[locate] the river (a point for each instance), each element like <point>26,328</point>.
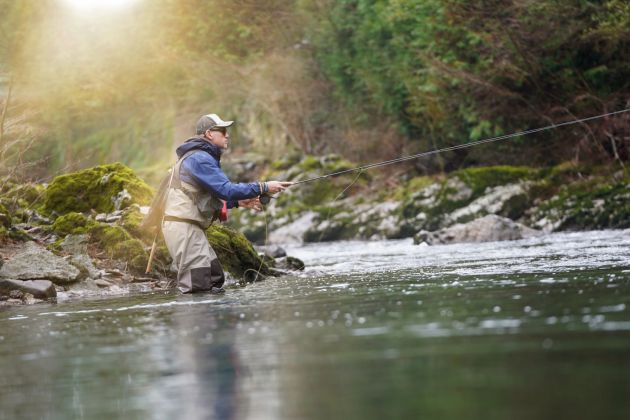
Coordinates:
<point>531,329</point>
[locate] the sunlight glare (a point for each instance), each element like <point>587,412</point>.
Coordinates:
<point>98,5</point>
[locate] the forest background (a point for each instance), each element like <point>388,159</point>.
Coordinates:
<point>367,79</point>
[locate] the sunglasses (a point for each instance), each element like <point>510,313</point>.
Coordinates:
<point>221,130</point>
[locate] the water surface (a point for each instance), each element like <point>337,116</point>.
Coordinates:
<point>533,329</point>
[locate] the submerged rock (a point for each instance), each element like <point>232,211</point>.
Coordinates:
<point>486,229</point>
<point>35,263</point>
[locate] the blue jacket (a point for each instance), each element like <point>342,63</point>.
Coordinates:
<point>203,169</point>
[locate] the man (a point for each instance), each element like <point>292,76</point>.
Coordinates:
<point>199,192</point>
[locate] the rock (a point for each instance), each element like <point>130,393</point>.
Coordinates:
<point>16,294</point>
<point>274,251</point>
<point>492,202</point>
<point>290,263</point>
<point>102,283</point>
<point>85,265</point>
<point>486,229</point>
<point>75,244</point>
<point>37,263</point>
<point>15,289</point>
<point>293,232</point>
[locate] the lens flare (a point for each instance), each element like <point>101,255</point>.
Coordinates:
<point>98,5</point>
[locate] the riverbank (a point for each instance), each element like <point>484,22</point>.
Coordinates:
<point>80,235</point>
<point>469,205</point>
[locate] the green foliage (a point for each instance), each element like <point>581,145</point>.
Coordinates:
<point>450,71</point>
<point>95,189</point>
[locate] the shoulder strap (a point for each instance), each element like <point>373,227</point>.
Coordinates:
<point>175,180</point>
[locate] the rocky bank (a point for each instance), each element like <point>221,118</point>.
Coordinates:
<point>80,235</point>
<point>474,204</point>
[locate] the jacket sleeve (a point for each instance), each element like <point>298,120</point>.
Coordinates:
<point>207,174</point>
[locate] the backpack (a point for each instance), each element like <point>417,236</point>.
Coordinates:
<point>153,219</point>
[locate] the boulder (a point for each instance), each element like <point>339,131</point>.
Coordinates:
<point>41,289</point>
<point>85,265</point>
<point>37,263</point>
<point>75,244</point>
<point>293,232</point>
<point>486,229</point>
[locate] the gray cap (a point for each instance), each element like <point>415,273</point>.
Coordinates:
<point>210,121</point>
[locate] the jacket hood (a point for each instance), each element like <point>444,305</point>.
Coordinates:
<point>200,144</point>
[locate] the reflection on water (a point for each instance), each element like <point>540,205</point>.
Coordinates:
<point>529,329</point>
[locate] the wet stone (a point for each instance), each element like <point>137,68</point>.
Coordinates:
<point>37,263</point>
<point>16,289</point>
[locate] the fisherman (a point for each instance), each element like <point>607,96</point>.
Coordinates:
<point>198,194</point>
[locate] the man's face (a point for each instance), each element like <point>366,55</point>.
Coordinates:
<point>219,137</point>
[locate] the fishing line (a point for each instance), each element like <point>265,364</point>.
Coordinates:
<point>461,146</point>
<point>321,235</point>
<point>262,259</point>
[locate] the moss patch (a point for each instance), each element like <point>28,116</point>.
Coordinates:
<point>235,252</point>
<point>478,179</point>
<point>96,189</point>
<point>72,223</point>
<point>592,203</point>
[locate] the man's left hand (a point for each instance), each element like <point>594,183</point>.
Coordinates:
<point>252,203</point>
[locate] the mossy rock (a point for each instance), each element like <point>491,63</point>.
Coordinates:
<point>5,217</point>
<point>96,189</point>
<point>592,203</point>
<point>131,220</point>
<point>478,179</point>
<point>235,252</point>
<point>108,236</point>
<point>133,252</point>
<point>73,223</point>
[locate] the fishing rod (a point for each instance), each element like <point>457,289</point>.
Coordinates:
<point>461,146</point>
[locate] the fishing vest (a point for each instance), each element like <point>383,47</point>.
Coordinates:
<point>188,202</point>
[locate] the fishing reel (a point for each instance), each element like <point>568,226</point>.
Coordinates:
<point>265,198</point>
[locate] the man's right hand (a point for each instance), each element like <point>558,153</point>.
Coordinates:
<point>277,186</point>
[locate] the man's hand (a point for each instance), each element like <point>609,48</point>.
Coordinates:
<point>252,203</point>
<point>277,186</point>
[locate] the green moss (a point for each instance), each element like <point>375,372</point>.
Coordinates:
<point>404,191</point>
<point>4,235</point>
<point>310,163</point>
<point>592,203</point>
<point>235,252</point>
<point>72,223</point>
<point>287,162</point>
<point>478,179</point>
<point>108,236</point>
<point>95,189</point>
<point>131,220</point>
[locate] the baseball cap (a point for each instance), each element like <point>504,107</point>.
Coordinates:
<point>208,122</point>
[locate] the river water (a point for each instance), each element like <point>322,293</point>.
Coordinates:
<point>532,329</point>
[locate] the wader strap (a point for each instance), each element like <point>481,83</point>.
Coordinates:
<point>179,219</point>
<point>177,183</point>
